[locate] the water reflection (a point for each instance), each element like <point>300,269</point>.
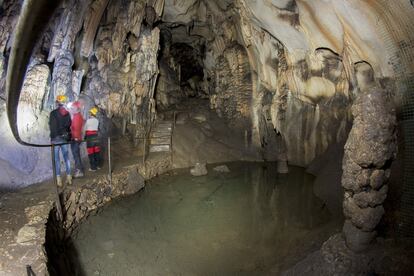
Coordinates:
<point>249,221</point>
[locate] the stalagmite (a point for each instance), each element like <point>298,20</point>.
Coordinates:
<point>370,149</point>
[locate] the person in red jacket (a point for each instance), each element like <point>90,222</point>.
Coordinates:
<point>76,130</point>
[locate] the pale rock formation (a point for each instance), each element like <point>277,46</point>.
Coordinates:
<point>199,169</point>
<point>62,77</point>
<point>222,168</point>
<point>370,149</point>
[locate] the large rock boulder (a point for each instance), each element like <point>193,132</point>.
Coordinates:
<point>199,169</point>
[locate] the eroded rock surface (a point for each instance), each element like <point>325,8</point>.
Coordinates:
<point>370,149</point>
<point>267,67</point>
<point>199,169</point>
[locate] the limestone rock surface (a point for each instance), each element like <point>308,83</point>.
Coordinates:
<point>365,219</point>
<point>222,168</point>
<point>199,169</point>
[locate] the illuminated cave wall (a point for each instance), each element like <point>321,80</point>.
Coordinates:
<point>280,66</point>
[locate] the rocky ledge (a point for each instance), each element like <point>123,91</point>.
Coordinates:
<point>25,214</point>
<point>335,258</point>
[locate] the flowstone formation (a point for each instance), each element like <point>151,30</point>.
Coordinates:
<point>369,152</point>
<point>100,52</point>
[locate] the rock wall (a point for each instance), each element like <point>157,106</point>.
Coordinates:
<point>281,70</point>
<point>103,53</point>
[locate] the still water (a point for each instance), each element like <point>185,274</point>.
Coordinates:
<point>250,221</point>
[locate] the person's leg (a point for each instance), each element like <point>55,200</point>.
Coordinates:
<point>65,152</point>
<point>75,148</point>
<point>57,165</point>
<point>92,163</point>
<point>98,156</point>
<point>57,160</point>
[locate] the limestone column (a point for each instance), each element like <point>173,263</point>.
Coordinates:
<point>369,151</point>
<point>62,76</point>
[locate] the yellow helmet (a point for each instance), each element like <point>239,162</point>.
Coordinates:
<point>93,111</point>
<point>61,99</point>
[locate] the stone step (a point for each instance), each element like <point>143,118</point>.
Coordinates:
<point>159,148</point>
<point>162,129</point>
<point>161,141</point>
<point>166,132</point>
<point>160,135</point>
<point>164,124</point>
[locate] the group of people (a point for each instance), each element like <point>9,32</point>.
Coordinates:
<point>68,127</point>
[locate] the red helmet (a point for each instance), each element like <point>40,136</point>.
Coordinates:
<point>76,104</point>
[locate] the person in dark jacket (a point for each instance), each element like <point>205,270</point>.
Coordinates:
<point>76,131</point>
<point>59,124</point>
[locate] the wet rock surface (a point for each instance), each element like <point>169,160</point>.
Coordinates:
<point>211,141</point>
<point>335,258</point>
<point>199,169</point>
<point>222,168</point>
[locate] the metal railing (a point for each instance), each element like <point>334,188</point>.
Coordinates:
<point>53,156</point>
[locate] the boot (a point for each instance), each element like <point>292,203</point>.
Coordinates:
<point>59,181</point>
<point>69,180</point>
<point>78,174</point>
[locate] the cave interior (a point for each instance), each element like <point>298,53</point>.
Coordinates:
<point>199,85</point>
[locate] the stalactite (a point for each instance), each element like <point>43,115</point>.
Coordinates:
<point>69,26</point>
<point>92,19</point>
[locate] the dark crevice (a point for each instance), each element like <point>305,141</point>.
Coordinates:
<point>65,260</point>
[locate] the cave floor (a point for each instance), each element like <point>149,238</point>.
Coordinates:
<point>23,216</point>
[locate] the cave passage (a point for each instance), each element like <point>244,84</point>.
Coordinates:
<point>181,64</point>
<point>247,221</point>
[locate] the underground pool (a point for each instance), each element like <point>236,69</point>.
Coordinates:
<point>249,221</point>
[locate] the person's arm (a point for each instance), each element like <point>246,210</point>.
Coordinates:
<point>68,122</point>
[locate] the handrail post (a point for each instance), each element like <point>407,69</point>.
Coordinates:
<point>57,203</point>
<point>144,153</point>
<point>109,162</point>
